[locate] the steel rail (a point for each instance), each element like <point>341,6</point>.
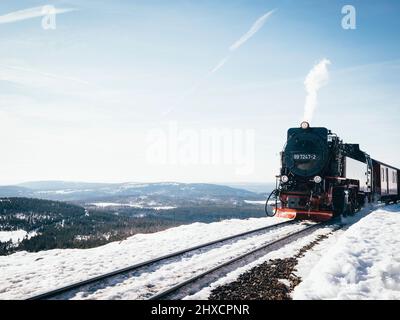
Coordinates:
<point>289,237</point>
<point>77,285</point>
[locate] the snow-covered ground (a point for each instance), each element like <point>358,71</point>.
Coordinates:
<point>15,236</point>
<point>360,261</point>
<point>154,280</point>
<point>285,252</point>
<point>133,205</point>
<point>25,274</point>
<point>262,202</point>
<point>363,263</point>
<point>349,264</point>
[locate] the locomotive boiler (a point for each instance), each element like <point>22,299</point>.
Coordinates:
<point>322,177</point>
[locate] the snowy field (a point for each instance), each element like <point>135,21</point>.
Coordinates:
<point>132,205</point>
<point>15,236</point>
<point>360,261</point>
<point>364,262</point>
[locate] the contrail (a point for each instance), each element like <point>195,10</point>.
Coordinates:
<point>241,41</point>
<point>31,13</point>
<point>315,80</point>
<point>252,31</point>
<point>220,64</point>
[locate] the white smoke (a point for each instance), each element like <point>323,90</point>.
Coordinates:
<point>315,80</point>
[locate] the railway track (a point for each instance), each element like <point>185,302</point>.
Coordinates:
<point>76,286</point>
<point>218,271</point>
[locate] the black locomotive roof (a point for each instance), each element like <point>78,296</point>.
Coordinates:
<point>320,131</point>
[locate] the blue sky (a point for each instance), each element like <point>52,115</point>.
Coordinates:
<point>78,102</point>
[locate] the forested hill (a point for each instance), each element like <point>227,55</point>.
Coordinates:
<point>14,205</point>
<point>52,224</point>
<point>28,214</point>
<point>44,222</point>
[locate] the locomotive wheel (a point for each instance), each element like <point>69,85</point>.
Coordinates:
<point>339,205</point>
<point>272,203</point>
<point>354,204</point>
<point>351,208</point>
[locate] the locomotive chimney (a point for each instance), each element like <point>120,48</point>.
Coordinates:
<point>305,125</point>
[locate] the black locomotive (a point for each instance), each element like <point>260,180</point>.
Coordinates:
<point>322,177</point>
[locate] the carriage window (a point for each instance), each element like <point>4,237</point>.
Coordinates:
<point>383,175</point>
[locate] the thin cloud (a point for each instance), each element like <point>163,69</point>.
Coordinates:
<point>45,74</point>
<point>31,77</point>
<point>32,13</point>
<point>252,31</point>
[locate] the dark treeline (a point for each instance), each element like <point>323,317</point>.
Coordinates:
<point>29,214</point>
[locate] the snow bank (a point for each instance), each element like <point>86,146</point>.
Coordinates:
<point>363,264</point>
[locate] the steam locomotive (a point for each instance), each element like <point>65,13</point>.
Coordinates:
<point>321,177</point>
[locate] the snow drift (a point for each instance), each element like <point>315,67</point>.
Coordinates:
<point>363,264</point>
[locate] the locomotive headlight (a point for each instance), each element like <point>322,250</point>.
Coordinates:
<point>317,179</point>
<point>285,179</point>
<point>305,125</point>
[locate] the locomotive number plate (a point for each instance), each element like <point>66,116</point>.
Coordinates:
<point>305,156</point>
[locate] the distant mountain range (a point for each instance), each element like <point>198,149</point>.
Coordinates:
<point>164,193</point>
<point>253,186</point>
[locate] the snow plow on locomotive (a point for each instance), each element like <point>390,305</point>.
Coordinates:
<point>321,177</point>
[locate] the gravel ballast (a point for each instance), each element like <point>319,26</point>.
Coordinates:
<point>271,280</point>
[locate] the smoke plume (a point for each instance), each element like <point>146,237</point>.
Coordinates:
<point>315,80</point>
